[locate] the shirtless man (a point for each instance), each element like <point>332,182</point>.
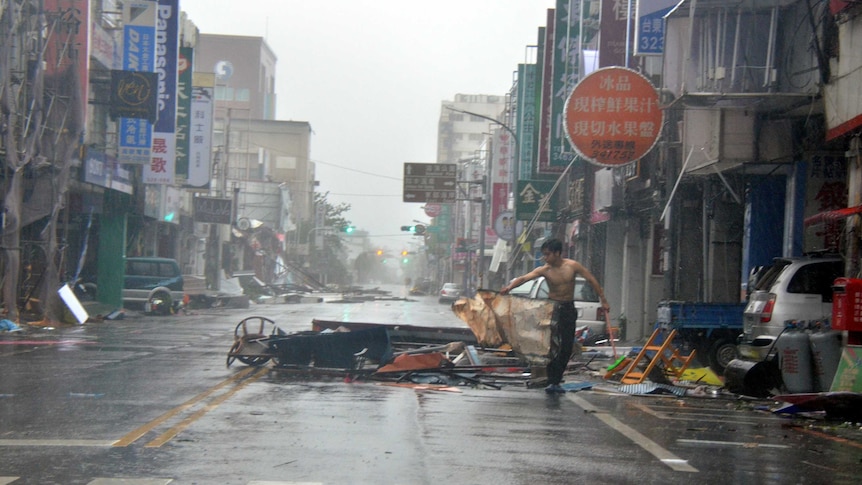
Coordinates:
<point>560,273</point>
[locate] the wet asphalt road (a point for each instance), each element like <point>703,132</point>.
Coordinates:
<point>151,399</point>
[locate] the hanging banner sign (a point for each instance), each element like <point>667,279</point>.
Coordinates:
<point>133,95</point>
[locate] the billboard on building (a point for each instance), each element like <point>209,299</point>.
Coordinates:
<point>162,166</point>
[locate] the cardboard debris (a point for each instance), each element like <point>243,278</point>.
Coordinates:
<point>523,323</point>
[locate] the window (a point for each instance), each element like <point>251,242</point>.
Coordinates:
<point>224,93</point>
<point>243,94</point>
<point>815,279</point>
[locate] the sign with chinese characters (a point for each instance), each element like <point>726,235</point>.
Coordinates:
<point>650,25</point>
<point>200,130</point>
<point>613,117</point>
<point>139,55</point>
<point>65,45</point>
<point>430,182</point>
<point>161,169</point>
<point>535,197</point>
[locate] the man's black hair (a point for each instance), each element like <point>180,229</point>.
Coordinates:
<point>553,245</point>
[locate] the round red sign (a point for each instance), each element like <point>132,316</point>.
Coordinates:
<point>432,210</point>
<point>612,117</point>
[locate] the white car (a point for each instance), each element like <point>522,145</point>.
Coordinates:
<point>450,292</point>
<point>587,302</point>
<point>797,290</point>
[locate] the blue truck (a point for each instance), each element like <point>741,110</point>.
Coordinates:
<point>712,329</point>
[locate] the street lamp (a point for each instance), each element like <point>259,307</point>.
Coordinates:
<point>515,169</point>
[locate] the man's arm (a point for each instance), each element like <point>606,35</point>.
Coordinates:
<point>520,280</point>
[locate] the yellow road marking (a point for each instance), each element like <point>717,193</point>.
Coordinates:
<point>136,434</point>
<point>169,434</point>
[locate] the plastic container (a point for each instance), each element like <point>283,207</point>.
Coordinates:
<point>794,360</point>
<point>756,379</point>
<point>826,354</point>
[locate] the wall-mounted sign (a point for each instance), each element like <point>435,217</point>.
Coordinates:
<point>535,197</point>
<point>212,210</point>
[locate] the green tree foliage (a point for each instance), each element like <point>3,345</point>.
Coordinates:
<point>331,259</point>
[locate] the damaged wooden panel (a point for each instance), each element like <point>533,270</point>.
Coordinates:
<point>523,323</point>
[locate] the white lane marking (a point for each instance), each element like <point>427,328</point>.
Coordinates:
<point>263,482</point>
<point>130,481</point>
<point>665,456</point>
<point>95,443</point>
<point>7,480</point>
<point>730,443</point>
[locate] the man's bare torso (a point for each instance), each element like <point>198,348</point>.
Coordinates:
<point>561,280</point>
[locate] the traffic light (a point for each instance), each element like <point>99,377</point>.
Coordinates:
<point>418,229</point>
<point>349,229</point>
<point>404,253</point>
<point>380,252</point>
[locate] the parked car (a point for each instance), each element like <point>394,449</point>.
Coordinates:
<point>795,290</point>
<point>450,292</point>
<point>590,312</point>
<point>155,283</point>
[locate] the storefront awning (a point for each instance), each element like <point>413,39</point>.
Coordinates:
<point>832,216</point>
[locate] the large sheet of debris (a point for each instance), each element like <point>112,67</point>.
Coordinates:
<point>496,319</point>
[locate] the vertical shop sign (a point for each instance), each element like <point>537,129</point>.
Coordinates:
<point>139,55</point>
<point>162,164</point>
<point>67,46</point>
<point>200,132</point>
<point>526,118</point>
<point>546,115</point>
<point>501,159</point>
<point>184,108</point>
<point>612,41</point>
<point>566,75</point>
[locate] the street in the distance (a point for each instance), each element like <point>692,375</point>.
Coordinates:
<point>150,398</point>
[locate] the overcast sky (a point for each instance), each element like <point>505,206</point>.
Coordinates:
<point>369,76</point>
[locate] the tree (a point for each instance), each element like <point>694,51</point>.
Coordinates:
<point>331,258</point>
<point>41,123</point>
